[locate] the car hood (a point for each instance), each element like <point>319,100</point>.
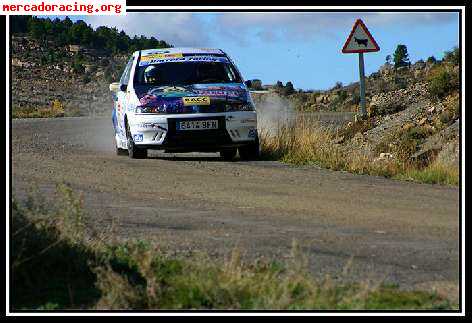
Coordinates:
<point>171,98</point>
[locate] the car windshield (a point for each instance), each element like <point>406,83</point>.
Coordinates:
<point>184,73</point>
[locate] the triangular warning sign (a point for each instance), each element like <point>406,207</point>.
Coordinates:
<point>360,40</point>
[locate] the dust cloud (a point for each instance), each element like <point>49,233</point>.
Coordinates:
<point>273,112</point>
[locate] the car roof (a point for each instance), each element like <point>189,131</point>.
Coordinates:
<point>183,50</point>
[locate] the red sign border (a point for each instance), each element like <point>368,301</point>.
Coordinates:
<point>363,26</point>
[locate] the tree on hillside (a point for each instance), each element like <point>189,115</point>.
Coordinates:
<point>431,60</point>
<point>36,29</point>
<point>337,85</point>
<point>400,57</point>
<point>256,84</point>
<point>64,32</point>
<point>288,89</point>
<point>19,24</point>
<point>453,56</point>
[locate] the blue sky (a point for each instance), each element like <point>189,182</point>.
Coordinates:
<point>301,47</point>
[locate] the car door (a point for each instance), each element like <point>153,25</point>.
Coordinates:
<point>122,97</point>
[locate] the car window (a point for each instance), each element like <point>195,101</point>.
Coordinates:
<point>126,74</point>
<point>183,73</point>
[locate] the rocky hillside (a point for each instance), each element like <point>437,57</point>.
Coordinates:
<point>71,78</point>
<point>413,114</point>
<point>409,126</point>
<point>385,80</point>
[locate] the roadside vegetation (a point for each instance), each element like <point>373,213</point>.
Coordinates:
<point>309,143</point>
<point>55,110</point>
<point>58,262</point>
<point>306,142</point>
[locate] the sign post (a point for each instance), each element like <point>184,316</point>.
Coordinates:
<point>360,41</point>
<point>362,85</point>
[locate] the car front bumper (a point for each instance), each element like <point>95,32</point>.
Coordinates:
<point>159,132</point>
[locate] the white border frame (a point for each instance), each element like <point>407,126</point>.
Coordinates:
<point>248,8</point>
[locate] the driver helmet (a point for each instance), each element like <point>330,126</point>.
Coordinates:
<point>150,74</point>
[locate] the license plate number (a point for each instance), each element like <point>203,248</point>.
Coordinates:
<point>197,125</point>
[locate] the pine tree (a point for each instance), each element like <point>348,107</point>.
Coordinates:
<point>400,57</point>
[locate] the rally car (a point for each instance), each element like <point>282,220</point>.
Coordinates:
<point>184,100</point>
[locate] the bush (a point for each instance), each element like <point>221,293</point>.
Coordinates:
<point>445,117</point>
<point>78,67</point>
<point>356,98</point>
<point>442,82</point>
<point>431,60</point>
<point>49,262</point>
<point>453,56</point>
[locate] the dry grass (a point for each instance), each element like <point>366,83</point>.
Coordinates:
<point>302,144</point>
<point>436,172</point>
<point>55,110</point>
<point>56,265</point>
<point>169,283</point>
<point>306,142</point>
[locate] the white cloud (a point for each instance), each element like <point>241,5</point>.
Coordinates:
<point>203,29</point>
<point>176,28</point>
<point>309,25</point>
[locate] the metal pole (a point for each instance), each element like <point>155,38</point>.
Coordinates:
<point>362,85</point>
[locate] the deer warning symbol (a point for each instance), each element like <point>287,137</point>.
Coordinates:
<point>360,40</point>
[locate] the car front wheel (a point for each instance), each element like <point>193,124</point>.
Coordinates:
<point>228,154</point>
<point>251,151</point>
<point>133,151</point>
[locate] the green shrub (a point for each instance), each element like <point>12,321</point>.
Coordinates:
<point>445,117</point>
<point>49,262</point>
<point>406,142</point>
<point>442,82</point>
<point>453,56</point>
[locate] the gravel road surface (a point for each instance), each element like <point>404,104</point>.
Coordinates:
<point>399,232</point>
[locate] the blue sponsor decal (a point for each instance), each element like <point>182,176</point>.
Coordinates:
<point>252,133</point>
<point>209,58</point>
<point>138,137</point>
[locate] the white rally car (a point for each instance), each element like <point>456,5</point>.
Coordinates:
<point>184,100</point>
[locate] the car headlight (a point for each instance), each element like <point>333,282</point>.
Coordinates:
<point>248,106</point>
<point>144,109</point>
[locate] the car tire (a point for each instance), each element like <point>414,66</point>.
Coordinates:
<point>133,151</point>
<point>228,154</point>
<point>251,151</point>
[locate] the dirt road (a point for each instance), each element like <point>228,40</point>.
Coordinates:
<point>402,232</point>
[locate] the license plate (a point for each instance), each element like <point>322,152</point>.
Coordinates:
<point>197,125</point>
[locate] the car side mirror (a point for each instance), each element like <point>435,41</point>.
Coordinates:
<point>248,83</point>
<point>114,87</point>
